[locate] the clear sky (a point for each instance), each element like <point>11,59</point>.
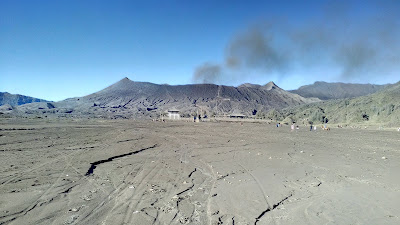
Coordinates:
<point>56,49</point>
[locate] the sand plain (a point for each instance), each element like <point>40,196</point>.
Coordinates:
<point>132,172</point>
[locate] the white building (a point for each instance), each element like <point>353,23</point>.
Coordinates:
<point>173,114</point>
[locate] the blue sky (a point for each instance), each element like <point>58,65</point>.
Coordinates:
<point>68,48</point>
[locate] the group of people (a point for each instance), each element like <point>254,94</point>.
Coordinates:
<point>293,127</point>
<point>313,127</point>
<point>197,119</point>
<point>324,127</point>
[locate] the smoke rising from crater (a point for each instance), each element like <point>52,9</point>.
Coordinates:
<point>207,73</point>
<point>356,48</point>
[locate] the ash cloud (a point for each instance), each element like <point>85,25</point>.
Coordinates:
<point>357,48</point>
<point>356,58</point>
<point>255,48</point>
<point>207,73</point>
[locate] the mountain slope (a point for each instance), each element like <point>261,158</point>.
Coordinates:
<point>382,107</point>
<point>127,98</point>
<point>325,91</point>
<point>14,100</point>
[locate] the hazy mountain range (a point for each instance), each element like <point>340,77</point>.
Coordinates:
<point>325,91</point>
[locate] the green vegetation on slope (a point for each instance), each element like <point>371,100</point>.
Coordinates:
<point>326,91</point>
<point>382,107</point>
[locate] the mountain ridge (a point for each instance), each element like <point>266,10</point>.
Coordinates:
<point>381,107</point>
<point>17,99</point>
<point>337,90</point>
<point>132,99</point>
<point>143,99</point>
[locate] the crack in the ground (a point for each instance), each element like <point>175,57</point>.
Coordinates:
<point>68,190</point>
<point>94,164</point>
<point>191,173</point>
<point>187,189</point>
<point>154,217</point>
<point>25,211</point>
<point>222,176</point>
<point>272,208</point>
<point>18,129</point>
<point>136,139</point>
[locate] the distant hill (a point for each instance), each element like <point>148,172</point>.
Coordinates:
<point>129,99</point>
<point>15,99</point>
<point>382,107</point>
<point>325,91</point>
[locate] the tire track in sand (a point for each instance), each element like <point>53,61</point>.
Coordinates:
<point>117,193</point>
<point>259,187</point>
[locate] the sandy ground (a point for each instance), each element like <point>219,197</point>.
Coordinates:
<point>129,172</point>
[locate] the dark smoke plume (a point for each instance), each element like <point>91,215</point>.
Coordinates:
<point>256,49</point>
<point>356,48</point>
<point>356,58</point>
<point>207,73</point>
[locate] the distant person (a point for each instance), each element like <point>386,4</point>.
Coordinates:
<point>310,127</point>
<point>315,127</point>
<point>292,127</point>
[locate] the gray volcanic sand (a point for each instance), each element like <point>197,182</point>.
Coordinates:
<point>195,173</point>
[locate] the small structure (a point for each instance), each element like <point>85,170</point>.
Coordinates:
<point>173,114</point>
<point>238,116</point>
